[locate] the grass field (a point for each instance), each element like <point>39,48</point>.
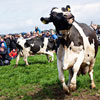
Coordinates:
<point>39,81</point>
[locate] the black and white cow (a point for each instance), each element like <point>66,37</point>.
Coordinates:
<point>77,49</point>
<point>32,46</point>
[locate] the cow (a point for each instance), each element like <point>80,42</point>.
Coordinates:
<point>77,47</point>
<point>37,45</point>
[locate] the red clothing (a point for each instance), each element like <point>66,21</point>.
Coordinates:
<point>13,54</point>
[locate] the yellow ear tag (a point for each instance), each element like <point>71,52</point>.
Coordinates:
<point>68,9</point>
<point>44,21</point>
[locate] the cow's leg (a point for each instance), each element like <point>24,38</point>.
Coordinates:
<point>76,69</point>
<point>61,75</point>
<point>17,59</point>
<point>60,57</point>
<point>91,75</point>
<point>92,80</point>
<point>25,59</point>
<point>52,57</point>
<point>50,54</point>
<point>70,76</point>
<point>48,57</point>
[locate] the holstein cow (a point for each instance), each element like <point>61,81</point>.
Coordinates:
<point>32,46</point>
<point>77,49</point>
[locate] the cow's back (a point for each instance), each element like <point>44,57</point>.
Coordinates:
<point>77,39</point>
<point>91,34</point>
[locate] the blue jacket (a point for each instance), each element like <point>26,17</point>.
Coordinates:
<point>54,36</point>
<point>4,44</point>
<point>38,30</point>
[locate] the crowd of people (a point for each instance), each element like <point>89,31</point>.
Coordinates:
<point>8,48</point>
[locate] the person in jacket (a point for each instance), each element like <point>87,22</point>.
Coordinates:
<point>53,35</point>
<point>3,42</point>
<point>13,43</point>
<point>13,53</point>
<point>37,29</point>
<point>7,40</point>
<point>4,56</point>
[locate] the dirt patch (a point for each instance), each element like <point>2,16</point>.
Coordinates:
<point>82,97</point>
<point>56,93</point>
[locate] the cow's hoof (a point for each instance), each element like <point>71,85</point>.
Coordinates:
<point>66,89</point>
<point>72,87</point>
<point>50,61</point>
<point>64,68</point>
<point>93,86</point>
<point>27,64</point>
<point>15,66</point>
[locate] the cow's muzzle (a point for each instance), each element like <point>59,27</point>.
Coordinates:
<point>45,20</point>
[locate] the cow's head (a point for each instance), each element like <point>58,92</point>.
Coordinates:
<point>60,18</point>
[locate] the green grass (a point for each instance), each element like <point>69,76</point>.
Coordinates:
<point>40,80</point>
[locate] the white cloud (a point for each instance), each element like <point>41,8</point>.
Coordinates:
<point>87,12</point>
<point>28,22</point>
<point>24,15</point>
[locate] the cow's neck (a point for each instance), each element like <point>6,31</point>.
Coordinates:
<point>65,40</point>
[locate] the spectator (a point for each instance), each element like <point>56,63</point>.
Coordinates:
<point>94,26</point>
<point>53,35</point>
<point>37,33</point>
<point>19,35</point>
<point>3,42</point>
<point>4,56</point>
<point>0,37</point>
<point>34,34</point>
<point>13,53</point>
<point>28,35</point>
<point>98,30</point>
<point>43,33</point>
<point>47,34</point>
<point>16,37</point>
<point>13,43</point>
<point>7,40</point>
<point>37,29</point>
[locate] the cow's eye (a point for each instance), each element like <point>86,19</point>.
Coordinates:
<point>65,15</point>
<point>53,14</point>
<point>60,14</point>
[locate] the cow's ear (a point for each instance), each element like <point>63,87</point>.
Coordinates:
<point>63,9</point>
<point>68,8</point>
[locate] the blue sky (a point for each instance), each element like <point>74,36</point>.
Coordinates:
<point>23,15</point>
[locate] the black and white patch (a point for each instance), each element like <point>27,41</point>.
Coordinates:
<point>32,46</point>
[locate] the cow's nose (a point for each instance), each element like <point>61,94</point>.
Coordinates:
<point>41,18</point>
